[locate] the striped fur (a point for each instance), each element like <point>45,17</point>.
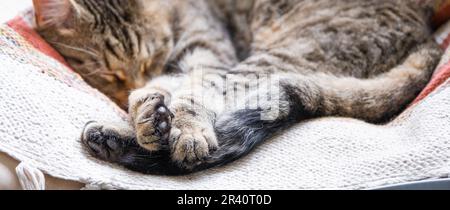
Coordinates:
<point>211,80</point>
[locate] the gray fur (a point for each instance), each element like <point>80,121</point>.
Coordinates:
<point>365,59</point>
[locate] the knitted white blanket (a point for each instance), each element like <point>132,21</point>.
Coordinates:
<point>43,107</point>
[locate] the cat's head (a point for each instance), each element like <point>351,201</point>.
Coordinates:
<point>122,42</point>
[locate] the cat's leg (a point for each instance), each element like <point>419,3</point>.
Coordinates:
<point>116,143</point>
<point>168,111</point>
<point>143,143</point>
<point>108,142</point>
<point>150,116</point>
<point>170,114</point>
<point>192,138</point>
<point>152,111</point>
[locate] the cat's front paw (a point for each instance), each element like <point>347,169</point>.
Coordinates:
<point>103,142</point>
<point>152,122</point>
<point>190,146</point>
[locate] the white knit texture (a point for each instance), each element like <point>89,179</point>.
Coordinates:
<point>41,119</point>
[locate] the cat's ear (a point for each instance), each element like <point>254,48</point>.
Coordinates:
<point>52,12</point>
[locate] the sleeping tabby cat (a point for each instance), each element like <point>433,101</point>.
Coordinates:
<point>211,80</point>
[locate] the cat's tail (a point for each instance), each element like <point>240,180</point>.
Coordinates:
<point>376,99</point>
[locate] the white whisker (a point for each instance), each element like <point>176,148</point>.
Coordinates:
<point>89,52</point>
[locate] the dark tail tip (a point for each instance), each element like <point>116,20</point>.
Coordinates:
<point>239,133</point>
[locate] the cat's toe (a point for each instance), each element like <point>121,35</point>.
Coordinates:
<point>153,123</point>
<point>102,142</point>
<point>191,147</point>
